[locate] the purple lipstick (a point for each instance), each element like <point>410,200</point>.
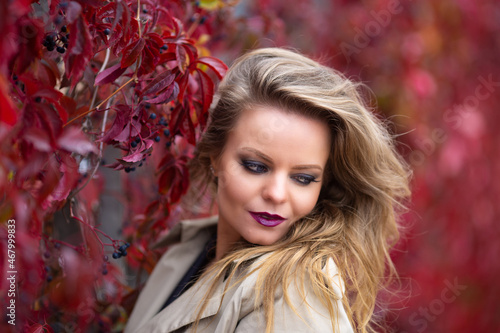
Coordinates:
<point>266,219</point>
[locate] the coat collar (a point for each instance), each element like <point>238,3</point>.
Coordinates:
<point>186,230</point>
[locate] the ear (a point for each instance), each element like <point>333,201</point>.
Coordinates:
<point>214,165</point>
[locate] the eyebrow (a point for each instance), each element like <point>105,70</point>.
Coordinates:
<point>270,160</point>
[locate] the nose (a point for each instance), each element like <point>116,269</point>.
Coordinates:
<point>275,189</point>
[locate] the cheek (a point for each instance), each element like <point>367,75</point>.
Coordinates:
<point>305,201</point>
<point>234,185</point>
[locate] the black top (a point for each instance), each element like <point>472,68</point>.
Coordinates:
<point>194,272</point>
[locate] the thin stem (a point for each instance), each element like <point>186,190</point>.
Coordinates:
<point>97,107</point>
<point>104,64</point>
<point>139,17</point>
<point>193,26</point>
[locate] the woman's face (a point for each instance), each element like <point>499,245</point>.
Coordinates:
<point>269,174</point>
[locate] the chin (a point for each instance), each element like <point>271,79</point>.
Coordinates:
<point>261,241</point>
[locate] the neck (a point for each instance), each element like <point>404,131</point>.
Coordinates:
<point>224,243</point>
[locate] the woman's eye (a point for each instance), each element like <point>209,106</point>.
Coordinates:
<point>255,167</point>
<point>305,179</point>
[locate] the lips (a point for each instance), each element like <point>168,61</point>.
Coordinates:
<point>266,219</point>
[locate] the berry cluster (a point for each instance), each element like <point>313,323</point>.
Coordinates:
<point>59,42</point>
<point>121,252</point>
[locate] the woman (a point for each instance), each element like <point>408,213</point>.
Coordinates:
<point>308,187</point>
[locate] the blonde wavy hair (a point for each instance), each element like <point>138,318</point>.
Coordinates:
<point>355,220</point>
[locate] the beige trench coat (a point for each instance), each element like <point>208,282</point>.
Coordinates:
<point>237,312</point>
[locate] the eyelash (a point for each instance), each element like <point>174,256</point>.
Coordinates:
<point>251,166</point>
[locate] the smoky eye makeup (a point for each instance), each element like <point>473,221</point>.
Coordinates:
<point>305,179</point>
<point>254,166</point>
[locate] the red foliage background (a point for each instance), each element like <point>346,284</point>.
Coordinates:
<point>89,86</point>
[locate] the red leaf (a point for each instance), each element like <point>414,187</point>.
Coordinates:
<point>8,114</point>
<point>183,81</point>
<point>38,328</point>
<point>79,50</point>
<point>207,90</point>
<point>132,52</point>
<point>109,75</point>
<point>73,140</point>
<point>174,180</point>
<point>135,157</point>
<point>29,42</point>
<point>122,118</point>
<point>154,37</point>
<point>69,104</point>
<point>166,96</point>
<point>187,129</point>
<point>69,170</point>
<point>217,66</point>
<point>73,10</point>
<point>159,83</point>
<point>150,58</point>
<point>39,139</point>
<point>180,52</point>
<point>49,93</point>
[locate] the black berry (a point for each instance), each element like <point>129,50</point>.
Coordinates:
<point>166,132</point>
<point>61,49</point>
<point>147,106</point>
<point>164,47</point>
<point>50,48</point>
<point>168,144</point>
<point>157,139</point>
<point>63,39</point>
<point>122,248</point>
<point>49,278</point>
<point>138,139</point>
<point>116,255</point>
<point>152,116</point>
<point>38,99</point>
<point>107,31</point>
<point>124,253</point>
<point>145,11</point>
<point>133,144</point>
<point>64,28</point>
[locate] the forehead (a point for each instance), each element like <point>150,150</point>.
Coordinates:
<point>274,130</point>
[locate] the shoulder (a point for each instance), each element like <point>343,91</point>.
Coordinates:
<point>297,309</point>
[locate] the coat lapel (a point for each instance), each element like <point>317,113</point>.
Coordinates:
<point>189,237</point>
<point>183,311</point>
